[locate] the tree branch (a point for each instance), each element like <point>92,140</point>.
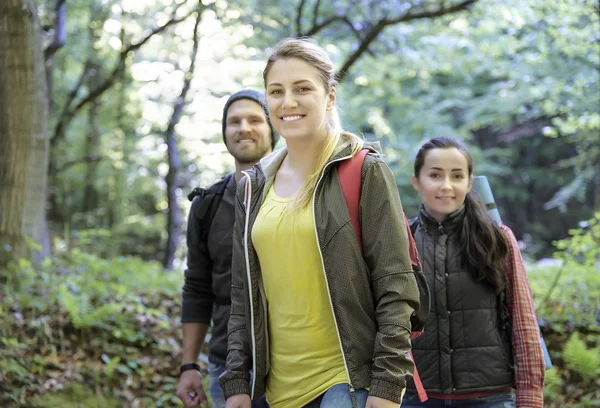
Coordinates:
<point>87,159</point>
<point>299,18</point>
<point>529,128</point>
<point>316,28</point>
<point>68,113</point>
<point>180,104</point>
<point>432,14</point>
<point>60,30</point>
<point>364,46</point>
<point>158,30</point>
<point>316,13</point>
<point>64,115</point>
<point>383,23</point>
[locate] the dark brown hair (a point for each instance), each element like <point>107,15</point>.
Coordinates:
<point>482,245</point>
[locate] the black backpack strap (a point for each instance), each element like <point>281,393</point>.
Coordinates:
<point>413,223</point>
<point>211,198</point>
<point>198,191</point>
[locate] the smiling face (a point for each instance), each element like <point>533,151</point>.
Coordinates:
<point>297,99</point>
<point>247,132</point>
<point>443,181</point>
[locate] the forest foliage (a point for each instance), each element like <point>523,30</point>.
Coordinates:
<point>136,91</point>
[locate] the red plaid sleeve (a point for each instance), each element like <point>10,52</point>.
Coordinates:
<point>527,349</point>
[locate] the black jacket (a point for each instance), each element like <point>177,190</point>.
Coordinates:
<point>207,289</point>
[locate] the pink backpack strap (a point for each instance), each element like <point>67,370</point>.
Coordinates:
<point>417,380</point>
<point>349,173</point>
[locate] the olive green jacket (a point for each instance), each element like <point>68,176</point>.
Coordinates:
<point>372,295</point>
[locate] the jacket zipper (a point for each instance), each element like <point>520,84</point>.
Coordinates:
<point>263,299</point>
<point>247,201</point>
<point>352,390</point>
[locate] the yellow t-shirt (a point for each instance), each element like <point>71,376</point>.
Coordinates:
<point>306,358</point>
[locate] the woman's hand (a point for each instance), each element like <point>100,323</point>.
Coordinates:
<point>239,401</point>
<point>376,402</point>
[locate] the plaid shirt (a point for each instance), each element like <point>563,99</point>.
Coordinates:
<point>525,331</point>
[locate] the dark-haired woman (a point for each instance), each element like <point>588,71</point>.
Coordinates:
<point>481,343</point>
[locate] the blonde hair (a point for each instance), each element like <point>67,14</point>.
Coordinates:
<point>310,52</point>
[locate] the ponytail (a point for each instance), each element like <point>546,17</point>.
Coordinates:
<point>482,244</point>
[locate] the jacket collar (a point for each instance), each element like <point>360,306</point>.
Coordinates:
<point>449,225</point>
<point>268,166</point>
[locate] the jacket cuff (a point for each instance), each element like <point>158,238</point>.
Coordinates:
<point>387,390</point>
<point>530,397</point>
<point>235,386</point>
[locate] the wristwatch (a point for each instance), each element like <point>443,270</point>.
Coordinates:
<point>188,367</point>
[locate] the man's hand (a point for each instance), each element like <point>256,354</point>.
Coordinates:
<point>190,390</point>
<point>238,401</point>
<point>376,402</point>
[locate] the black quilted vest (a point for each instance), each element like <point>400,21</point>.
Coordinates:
<point>465,347</point>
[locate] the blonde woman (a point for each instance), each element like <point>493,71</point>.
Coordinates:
<point>320,323</point>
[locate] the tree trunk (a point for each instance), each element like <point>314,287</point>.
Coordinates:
<point>90,199</point>
<point>116,200</point>
<point>92,141</point>
<point>174,220</point>
<point>23,125</point>
<point>596,189</point>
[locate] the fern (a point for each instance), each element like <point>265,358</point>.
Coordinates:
<point>553,384</point>
<point>580,359</point>
<point>76,306</point>
<point>103,313</point>
<point>83,313</point>
<point>552,380</point>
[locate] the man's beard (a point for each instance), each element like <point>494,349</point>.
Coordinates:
<point>251,157</point>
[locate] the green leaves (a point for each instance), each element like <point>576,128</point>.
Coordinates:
<point>568,309</point>
<point>581,359</point>
<point>80,316</point>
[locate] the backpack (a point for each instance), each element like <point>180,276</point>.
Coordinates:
<point>211,198</point>
<point>349,173</point>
